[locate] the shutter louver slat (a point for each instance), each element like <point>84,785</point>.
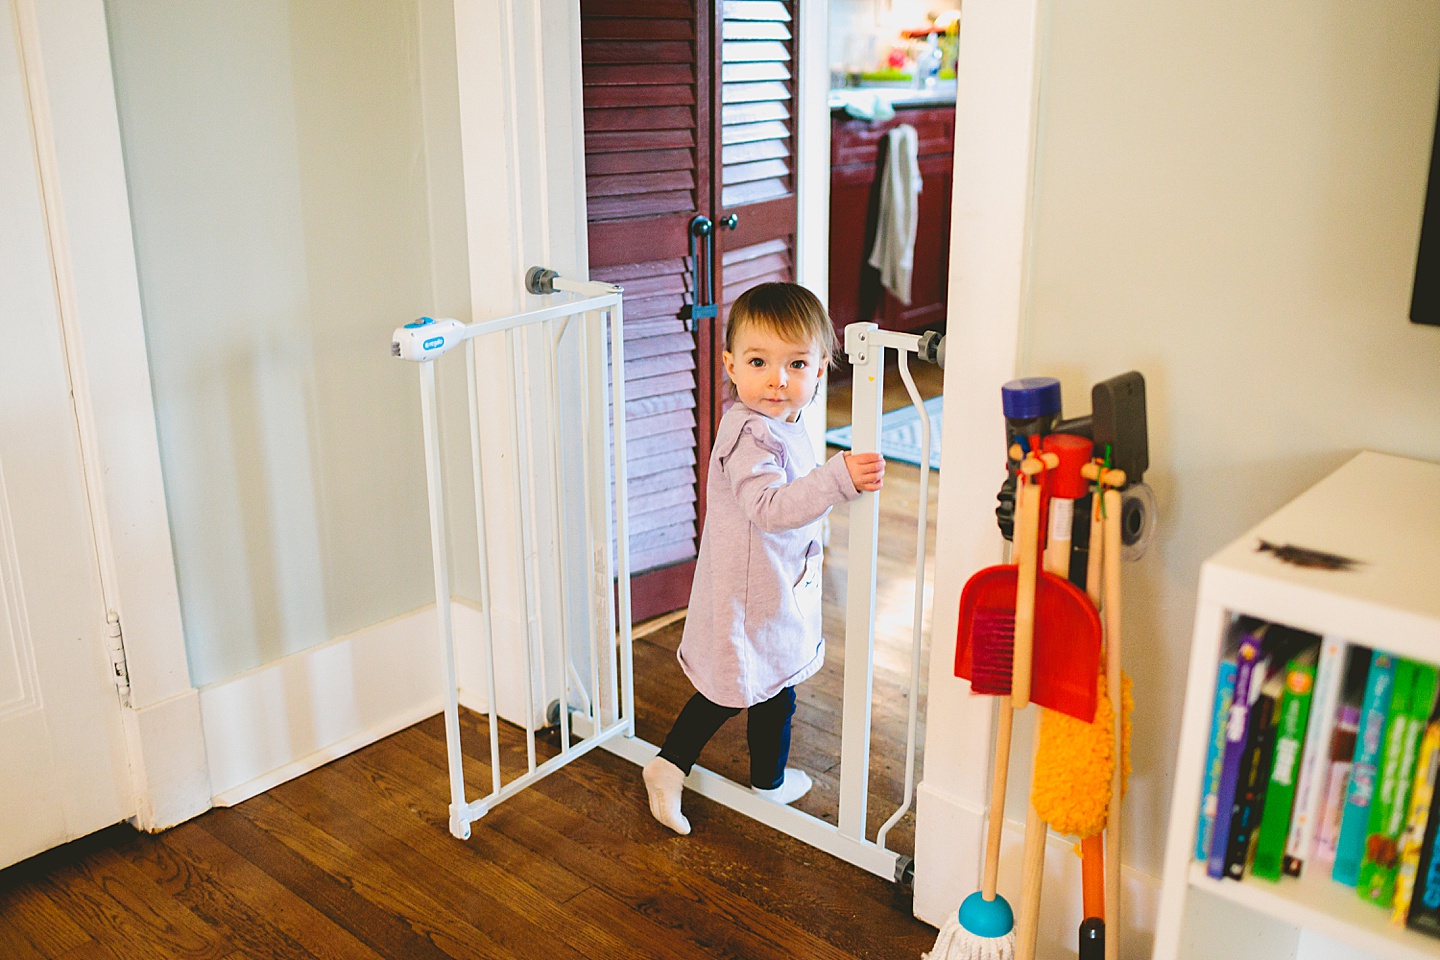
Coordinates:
<point>661,423</point>
<point>741,72</point>
<point>754,92</point>
<point>600,75</point>
<point>752,51</point>
<point>759,170</point>
<point>636,28</point>
<point>754,192</point>
<point>751,132</point>
<point>632,183</point>
<point>660,518</point>
<point>756,10</point>
<point>642,118</point>
<point>759,150</point>
<point>638,161</point>
<point>756,30</point>
<point>669,95</point>
<point>755,113</point>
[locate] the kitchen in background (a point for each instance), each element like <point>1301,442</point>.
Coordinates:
<point>892,64</point>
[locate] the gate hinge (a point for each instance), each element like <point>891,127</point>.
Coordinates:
<point>115,646</point>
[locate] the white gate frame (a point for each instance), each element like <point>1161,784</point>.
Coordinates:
<point>608,700</point>
<point>605,717</point>
<point>865,345</point>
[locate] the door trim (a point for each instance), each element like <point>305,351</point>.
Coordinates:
<point>65,44</point>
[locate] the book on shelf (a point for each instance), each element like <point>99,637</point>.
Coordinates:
<point>1315,754</point>
<point>1254,775</point>
<point>1294,716</point>
<point>1410,706</point>
<point>1424,914</point>
<point>1427,765</point>
<point>1337,784</point>
<point>1214,756</point>
<point>1369,743</point>
<point>1248,658</point>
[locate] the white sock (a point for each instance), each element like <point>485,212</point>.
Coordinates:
<point>795,785</point>
<point>664,782</point>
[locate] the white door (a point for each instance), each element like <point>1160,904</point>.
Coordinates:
<point>62,749</point>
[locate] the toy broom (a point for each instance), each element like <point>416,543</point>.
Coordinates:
<point>984,926</point>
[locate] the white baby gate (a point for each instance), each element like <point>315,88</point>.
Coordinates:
<point>599,691</point>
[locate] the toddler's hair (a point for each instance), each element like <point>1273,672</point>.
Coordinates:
<point>787,310</point>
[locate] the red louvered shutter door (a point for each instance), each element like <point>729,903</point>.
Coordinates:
<point>754,146</point>
<point>647,99</point>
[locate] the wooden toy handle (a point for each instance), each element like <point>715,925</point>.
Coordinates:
<point>1032,872</point>
<point>997,800</point>
<point>1112,679</point>
<point>1026,532</point>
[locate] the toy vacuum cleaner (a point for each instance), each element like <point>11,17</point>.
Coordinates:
<point>1032,632</point>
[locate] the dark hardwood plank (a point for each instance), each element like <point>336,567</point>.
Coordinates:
<point>105,894</point>
<point>387,934</point>
<point>258,912</point>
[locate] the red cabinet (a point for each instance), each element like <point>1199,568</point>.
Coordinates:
<point>856,160</point>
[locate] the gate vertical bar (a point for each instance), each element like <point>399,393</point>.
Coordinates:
<point>622,515</point>
<point>557,515</point>
<point>483,561</point>
<point>435,487</point>
<point>867,388</point>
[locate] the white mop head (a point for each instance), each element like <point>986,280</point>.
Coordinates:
<point>957,943</point>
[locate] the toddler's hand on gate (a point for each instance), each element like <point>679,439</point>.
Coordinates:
<point>867,470</point>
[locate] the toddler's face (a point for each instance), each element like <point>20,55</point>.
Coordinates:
<point>773,376</point>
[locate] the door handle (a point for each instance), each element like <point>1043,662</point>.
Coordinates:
<point>702,261</point>
<point>730,222</point>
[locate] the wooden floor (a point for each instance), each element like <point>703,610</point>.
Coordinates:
<point>354,860</point>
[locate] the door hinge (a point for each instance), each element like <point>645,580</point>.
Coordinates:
<point>115,646</point>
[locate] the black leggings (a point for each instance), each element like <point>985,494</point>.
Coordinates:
<point>767,728</point>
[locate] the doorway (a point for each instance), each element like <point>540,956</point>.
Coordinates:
<point>695,113</point>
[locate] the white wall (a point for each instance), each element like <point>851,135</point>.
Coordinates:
<point>1227,199</point>
<point>276,161</point>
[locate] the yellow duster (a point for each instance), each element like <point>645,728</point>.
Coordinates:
<point>1074,761</point>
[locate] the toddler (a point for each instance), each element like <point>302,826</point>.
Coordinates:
<point>753,628</point>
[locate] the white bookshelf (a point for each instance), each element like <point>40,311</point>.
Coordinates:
<point>1385,512</point>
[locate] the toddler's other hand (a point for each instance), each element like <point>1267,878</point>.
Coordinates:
<point>867,470</point>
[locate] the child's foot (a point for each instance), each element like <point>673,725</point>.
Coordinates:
<point>795,785</point>
<point>664,782</point>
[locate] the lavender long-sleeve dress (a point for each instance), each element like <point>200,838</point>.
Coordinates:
<point>754,622</point>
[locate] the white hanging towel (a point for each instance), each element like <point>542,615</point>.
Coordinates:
<point>894,251</point>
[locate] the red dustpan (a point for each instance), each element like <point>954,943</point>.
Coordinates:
<point>1066,657</point>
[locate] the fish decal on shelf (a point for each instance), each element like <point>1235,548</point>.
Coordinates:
<point>1307,557</point>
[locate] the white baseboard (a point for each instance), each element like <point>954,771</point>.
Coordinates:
<point>949,848</point>
<point>167,761</point>
<point>291,716</point>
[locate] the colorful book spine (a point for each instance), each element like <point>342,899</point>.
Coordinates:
<point>1421,795</point>
<point>1214,757</point>
<point>1424,914</point>
<point>1254,775</point>
<point>1355,822</point>
<point>1315,757</point>
<point>1410,707</point>
<point>1337,784</point>
<point>1247,658</point>
<point>1280,794</point>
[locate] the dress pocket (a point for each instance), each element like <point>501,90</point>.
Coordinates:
<point>808,588</point>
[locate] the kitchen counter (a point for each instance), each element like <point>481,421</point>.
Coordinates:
<point>864,101</point>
